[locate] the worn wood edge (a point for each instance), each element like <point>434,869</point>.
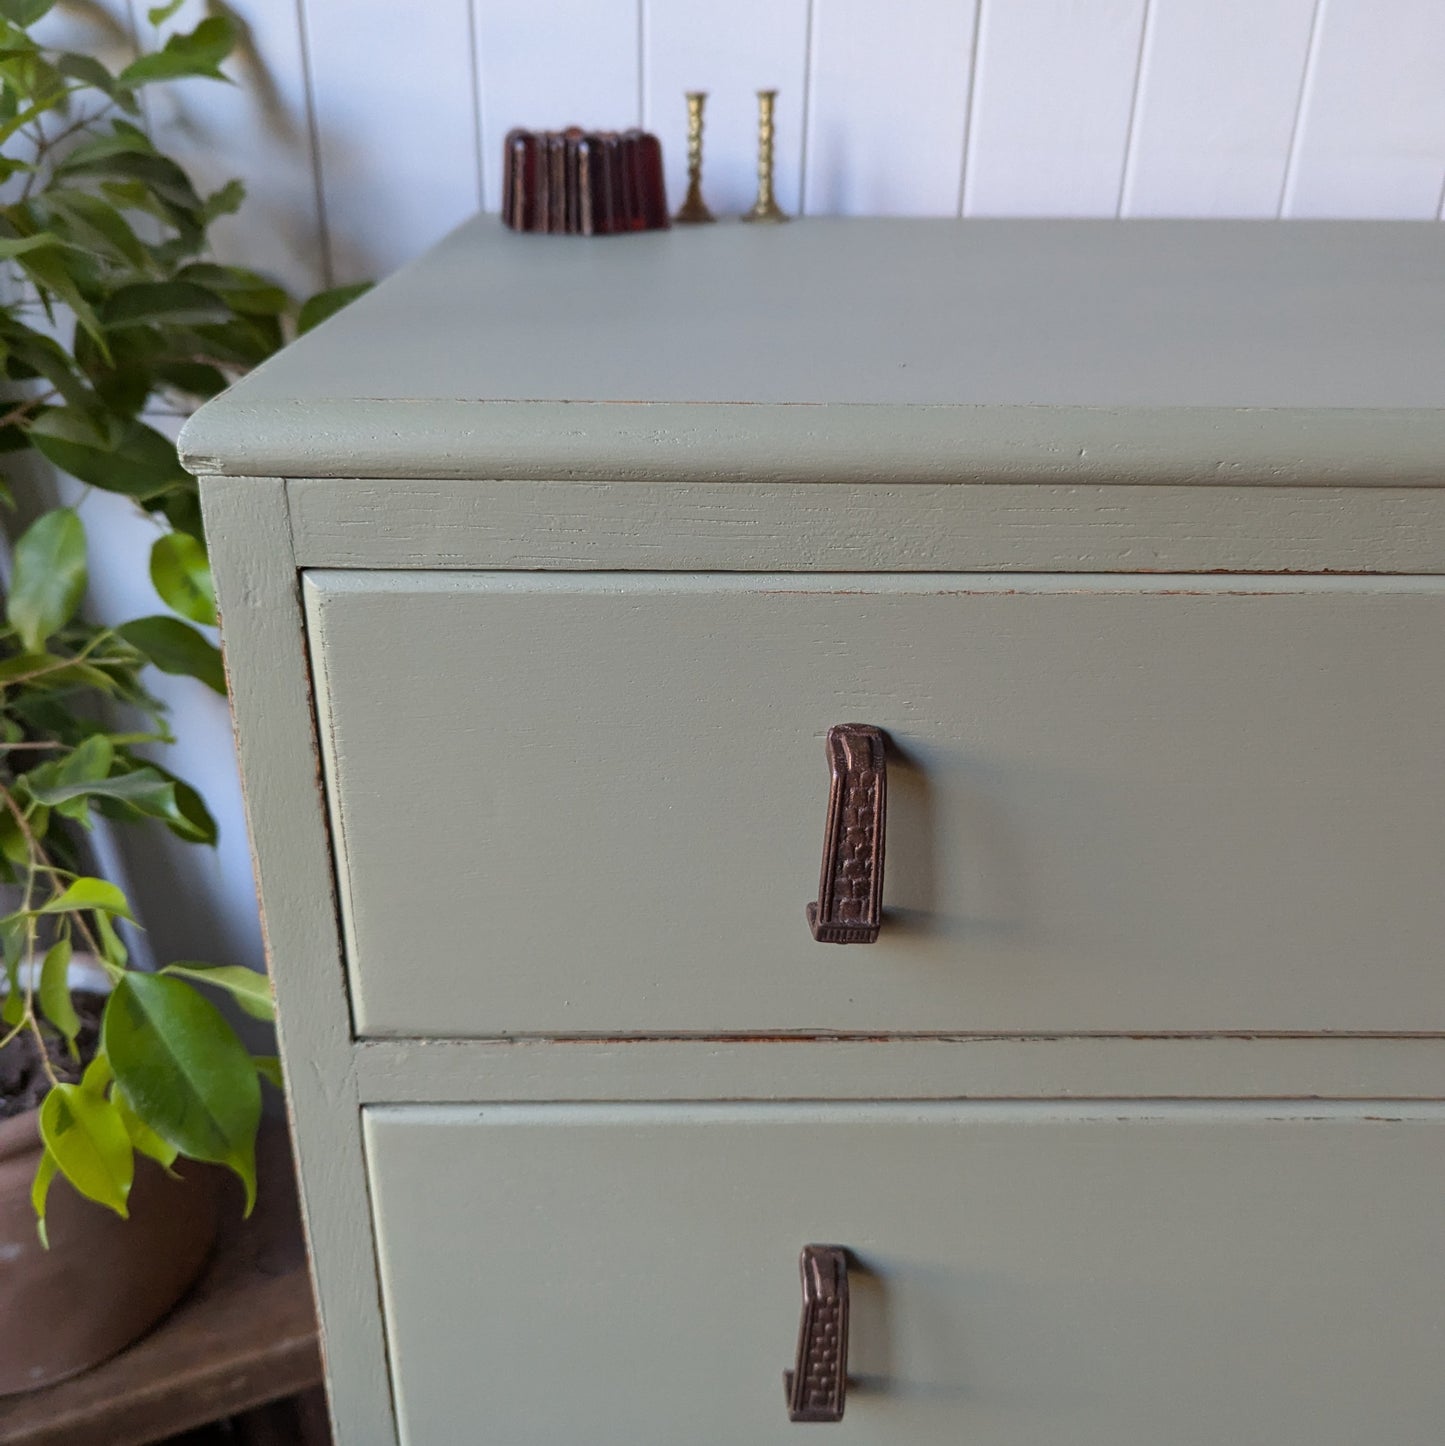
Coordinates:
<point>291,1366</point>
<point>1013,1111</point>
<point>263,639</point>
<point>860,527</point>
<point>819,442</point>
<point>979,1067</point>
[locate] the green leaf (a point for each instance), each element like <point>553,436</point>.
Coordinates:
<point>244,290</point>
<point>122,139</point>
<point>252,991</point>
<point>197,379</point>
<point>23,664</point>
<point>142,789</point>
<point>14,933</point>
<point>199,827</point>
<point>176,647</point>
<point>245,340</point>
<point>97,1077</point>
<point>13,845</point>
<point>87,762</point>
<point>161,13</point>
<point>181,574</point>
<point>224,201</point>
<point>182,509</point>
<point>111,949</point>
<point>176,303</point>
<point>268,1066</point>
<point>33,354</point>
<point>25,13</point>
<point>143,1138</point>
<point>87,1136</point>
<point>94,223</point>
<point>13,246</point>
<point>324,304</point>
<point>40,1193</point>
<point>125,457</point>
<point>120,160</point>
<point>86,69</point>
<point>44,671</point>
<point>15,936</point>
<point>55,1001</point>
<point>49,579</point>
<point>52,269</point>
<point>182,1069</point>
<point>124,379</point>
<point>197,53</point>
<point>87,893</point>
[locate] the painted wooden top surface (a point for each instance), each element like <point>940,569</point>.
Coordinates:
<point>970,350</point>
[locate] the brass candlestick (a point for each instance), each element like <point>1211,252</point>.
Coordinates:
<point>766,207</point>
<point>694,209</point>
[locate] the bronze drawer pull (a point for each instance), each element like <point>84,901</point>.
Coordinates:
<point>850,893</point>
<point>818,1383</point>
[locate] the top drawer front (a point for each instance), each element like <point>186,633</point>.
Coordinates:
<point>594,804</point>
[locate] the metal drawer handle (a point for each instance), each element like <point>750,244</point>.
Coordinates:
<point>850,893</point>
<point>817,1385</point>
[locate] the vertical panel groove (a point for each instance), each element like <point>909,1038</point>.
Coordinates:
<point>1126,170</point>
<point>1291,165</point>
<point>313,136</point>
<point>642,117</point>
<point>478,134</point>
<point>1440,206</point>
<point>807,109</point>
<point>968,108</point>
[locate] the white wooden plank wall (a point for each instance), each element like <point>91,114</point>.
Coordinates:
<point>1214,112</point>
<point>888,97</point>
<point>1371,133</point>
<point>383,123</point>
<point>1053,97</point>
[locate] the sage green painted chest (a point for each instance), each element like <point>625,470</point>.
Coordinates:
<point>545,571</point>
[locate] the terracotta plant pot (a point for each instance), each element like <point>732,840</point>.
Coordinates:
<point>104,1281</point>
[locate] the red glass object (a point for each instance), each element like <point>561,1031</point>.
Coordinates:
<point>584,183</point>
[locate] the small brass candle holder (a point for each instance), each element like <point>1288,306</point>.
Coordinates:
<point>766,207</point>
<point>694,210</point>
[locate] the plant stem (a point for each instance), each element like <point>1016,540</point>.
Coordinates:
<point>61,663</point>
<point>20,412</point>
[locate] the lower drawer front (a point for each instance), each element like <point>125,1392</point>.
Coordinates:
<point>626,1275</point>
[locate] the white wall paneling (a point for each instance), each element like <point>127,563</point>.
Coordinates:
<point>888,95</point>
<point>1371,135</point>
<point>257,130</point>
<point>1053,98</point>
<point>1219,89</point>
<point>394,100</point>
<point>731,51</point>
<point>546,66</point>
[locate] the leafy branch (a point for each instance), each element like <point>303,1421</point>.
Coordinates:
<point>119,304</point>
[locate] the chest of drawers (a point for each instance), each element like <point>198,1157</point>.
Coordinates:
<point>550,572</point>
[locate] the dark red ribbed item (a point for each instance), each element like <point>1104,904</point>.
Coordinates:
<point>584,183</point>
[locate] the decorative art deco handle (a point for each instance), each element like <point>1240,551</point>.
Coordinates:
<point>849,909</point>
<point>818,1383</point>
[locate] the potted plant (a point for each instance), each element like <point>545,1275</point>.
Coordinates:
<point>112,1078</point>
